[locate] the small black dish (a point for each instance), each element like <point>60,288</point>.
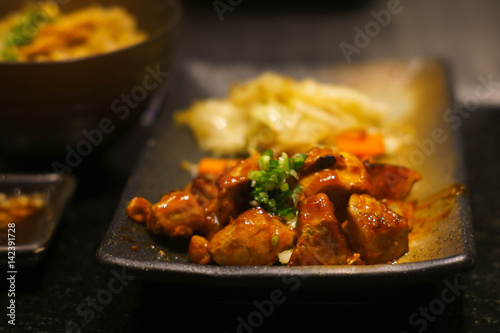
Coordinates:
<point>32,237</point>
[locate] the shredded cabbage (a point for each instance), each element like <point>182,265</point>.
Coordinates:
<point>276,112</point>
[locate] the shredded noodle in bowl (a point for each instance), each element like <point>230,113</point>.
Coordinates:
<point>276,112</point>
<point>43,33</point>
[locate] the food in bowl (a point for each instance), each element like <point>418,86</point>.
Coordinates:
<point>66,99</point>
<point>44,33</point>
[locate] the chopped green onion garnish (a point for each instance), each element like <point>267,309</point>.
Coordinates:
<point>271,184</point>
<point>274,240</point>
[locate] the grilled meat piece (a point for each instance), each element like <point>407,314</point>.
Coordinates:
<point>338,183</point>
<point>256,237</point>
<point>234,190</point>
<point>319,158</point>
<point>204,188</point>
<point>138,209</point>
<point>177,214</point>
<point>198,250</point>
<point>390,181</point>
<point>321,238</point>
<point>374,231</point>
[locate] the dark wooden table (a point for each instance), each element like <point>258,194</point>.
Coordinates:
<point>59,294</point>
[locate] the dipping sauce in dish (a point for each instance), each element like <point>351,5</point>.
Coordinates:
<point>25,211</point>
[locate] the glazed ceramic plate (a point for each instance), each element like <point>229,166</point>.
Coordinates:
<point>32,237</point>
<point>418,93</point>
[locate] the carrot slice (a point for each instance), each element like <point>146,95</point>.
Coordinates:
<point>361,143</point>
<point>211,165</point>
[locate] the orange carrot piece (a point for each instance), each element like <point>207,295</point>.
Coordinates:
<point>211,165</point>
<point>361,143</point>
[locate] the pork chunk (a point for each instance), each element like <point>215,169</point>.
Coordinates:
<point>198,250</point>
<point>177,214</point>
<point>321,238</point>
<point>319,158</point>
<point>234,190</point>
<point>138,209</point>
<point>375,232</point>
<point>204,189</point>
<point>391,181</point>
<point>348,177</point>
<point>256,237</point>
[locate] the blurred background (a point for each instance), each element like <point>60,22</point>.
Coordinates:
<point>463,33</point>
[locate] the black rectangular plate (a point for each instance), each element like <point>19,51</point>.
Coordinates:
<point>418,92</point>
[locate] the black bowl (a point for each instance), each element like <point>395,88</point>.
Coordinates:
<point>49,108</point>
